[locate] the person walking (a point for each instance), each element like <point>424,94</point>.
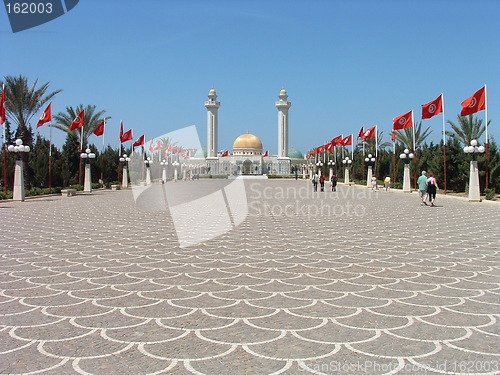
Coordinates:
<point>387,183</point>
<point>432,188</point>
<point>315,180</point>
<point>322,182</point>
<point>422,188</point>
<point>374,184</point>
<point>333,182</point>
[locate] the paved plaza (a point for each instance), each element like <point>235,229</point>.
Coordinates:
<point>346,282</point>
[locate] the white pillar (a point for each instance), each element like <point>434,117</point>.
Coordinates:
<point>164,175</point>
<point>406,179</point>
<point>474,192</point>
<point>369,176</point>
<point>346,174</point>
<point>124,177</point>
<point>148,176</point>
<point>283,105</point>
<point>87,185</point>
<point>18,194</point>
<point>331,174</point>
<point>175,174</point>
<point>212,106</point>
<point>303,173</point>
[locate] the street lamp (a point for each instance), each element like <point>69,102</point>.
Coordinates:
<point>331,164</point>
<point>347,165</point>
<point>191,166</point>
<point>124,160</point>
<point>87,185</point>
<point>370,161</point>
<point>164,164</point>
<point>18,191</point>
<point>474,149</point>
<point>175,164</point>
<point>319,164</point>
<point>407,156</point>
<point>148,163</point>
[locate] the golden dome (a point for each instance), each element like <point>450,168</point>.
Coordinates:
<point>247,141</point>
<point>283,91</point>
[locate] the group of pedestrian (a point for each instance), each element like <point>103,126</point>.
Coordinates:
<point>427,189</point>
<point>316,179</point>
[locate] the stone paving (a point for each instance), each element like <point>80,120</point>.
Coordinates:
<point>352,282</point>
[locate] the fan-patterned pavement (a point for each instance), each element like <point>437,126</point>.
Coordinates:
<point>352,282</point>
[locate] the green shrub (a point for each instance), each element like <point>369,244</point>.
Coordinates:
<point>77,187</point>
<point>4,195</point>
<point>96,185</point>
<point>489,194</point>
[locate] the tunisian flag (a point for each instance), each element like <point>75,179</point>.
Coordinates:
<point>361,132</point>
<point>127,136</point>
<point>330,146</point>
<point>347,141</point>
<point>369,134</point>
<point>139,141</point>
<point>265,154</point>
<point>225,153</point>
<point>99,130</point>
<point>2,107</point>
<point>433,108</point>
<point>78,121</point>
<point>476,103</point>
<point>403,121</point>
<point>336,141</point>
<point>46,116</point>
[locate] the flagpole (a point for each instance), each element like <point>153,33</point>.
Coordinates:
<point>50,156</point>
<point>444,144</point>
<point>486,125</point>
<point>4,146</point>
<point>394,161</point>
<point>102,154</point>
<point>376,150</point>
<point>414,153</point>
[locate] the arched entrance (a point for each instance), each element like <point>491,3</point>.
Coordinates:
<point>247,167</point>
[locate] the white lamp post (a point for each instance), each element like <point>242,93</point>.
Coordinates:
<point>311,168</point>
<point>407,156</point>
<point>148,163</point>
<point>331,164</point>
<point>124,160</point>
<point>164,164</point>
<point>474,191</point>
<point>87,184</point>
<point>370,161</point>
<point>319,164</point>
<point>18,193</point>
<point>347,165</point>
<point>175,164</point>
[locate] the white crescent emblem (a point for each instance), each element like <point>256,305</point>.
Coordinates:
<point>473,103</point>
<point>432,108</point>
<point>43,116</point>
<point>402,121</point>
<point>367,133</point>
<point>77,120</point>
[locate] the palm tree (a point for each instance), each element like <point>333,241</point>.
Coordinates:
<point>92,120</point>
<point>370,143</point>
<point>23,102</point>
<point>406,137</point>
<point>467,129</point>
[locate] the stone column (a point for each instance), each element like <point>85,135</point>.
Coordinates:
<point>331,174</point>
<point>164,175</point>
<point>474,192</point>
<point>87,185</point>
<point>124,177</point>
<point>369,176</point>
<point>148,176</point>
<point>18,194</point>
<point>346,174</point>
<point>406,179</point>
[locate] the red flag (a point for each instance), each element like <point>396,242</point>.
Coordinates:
<point>157,146</point>
<point>46,116</point>
<point>476,103</point>
<point>2,107</point>
<point>369,134</point>
<point>393,136</point>
<point>78,121</point>
<point>336,141</point>
<point>403,121</point>
<point>265,154</point>
<point>99,130</point>
<point>139,141</point>
<point>166,152</point>
<point>186,154</point>
<point>433,108</point>
<point>225,153</point>
<point>347,141</point>
<point>177,150</point>
<point>121,130</point>
<point>330,146</point>
<point>320,149</point>
<point>127,136</point>
<point>361,132</point>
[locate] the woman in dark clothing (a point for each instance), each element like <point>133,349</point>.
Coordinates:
<point>333,182</point>
<point>322,182</point>
<point>432,188</point>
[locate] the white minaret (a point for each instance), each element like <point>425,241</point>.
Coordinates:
<point>212,106</point>
<point>283,105</point>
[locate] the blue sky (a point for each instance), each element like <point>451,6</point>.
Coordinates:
<point>344,64</point>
